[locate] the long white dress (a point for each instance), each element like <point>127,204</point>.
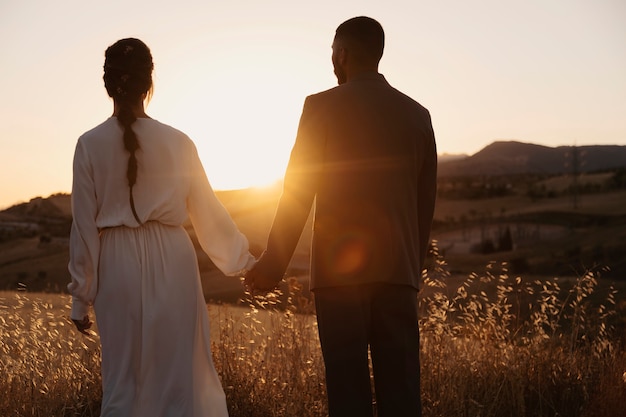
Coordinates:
<point>143,280</point>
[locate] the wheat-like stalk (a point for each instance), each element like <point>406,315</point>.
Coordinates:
<point>493,344</point>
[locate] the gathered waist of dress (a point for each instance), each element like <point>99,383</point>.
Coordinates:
<point>149,223</point>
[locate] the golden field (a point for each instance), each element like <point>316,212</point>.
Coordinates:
<point>537,330</point>
<point>493,344</point>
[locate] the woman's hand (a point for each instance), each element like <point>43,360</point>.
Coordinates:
<point>83,325</point>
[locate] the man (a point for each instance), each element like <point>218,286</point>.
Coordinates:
<point>365,153</point>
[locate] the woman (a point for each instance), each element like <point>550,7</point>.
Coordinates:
<point>135,182</point>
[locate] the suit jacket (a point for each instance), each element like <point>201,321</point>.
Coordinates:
<point>365,154</point>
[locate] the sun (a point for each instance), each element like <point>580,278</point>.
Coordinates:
<point>243,145</point>
<point>244,137</point>
<point>244,173</point>
<point>238,153</point>
<point>242,118</point>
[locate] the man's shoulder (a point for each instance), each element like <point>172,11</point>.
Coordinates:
<point>326,94</point>
<point>384,92</point>
<point>323,101</point>
<point>408,100</point>
<point>379,91</point>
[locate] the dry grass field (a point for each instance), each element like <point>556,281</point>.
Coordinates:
<point>609,203</point>
<point>493,344</point>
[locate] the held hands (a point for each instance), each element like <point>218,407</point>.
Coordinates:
<point>83,325</point>
<point>258,283</point>
<point>261,279</point>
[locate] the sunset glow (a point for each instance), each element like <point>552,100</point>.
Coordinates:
<point>234,76</point>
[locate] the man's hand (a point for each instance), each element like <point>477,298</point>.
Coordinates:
<point>83,325</point>
<point>259,279</point>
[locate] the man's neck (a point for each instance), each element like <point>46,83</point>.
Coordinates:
<point>362,73</point>
<point>357,71</point>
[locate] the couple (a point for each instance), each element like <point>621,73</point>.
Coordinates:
<point>364,152</point>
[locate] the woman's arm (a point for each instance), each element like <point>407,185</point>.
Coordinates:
<point>84,238</point>
<point>218,235</point>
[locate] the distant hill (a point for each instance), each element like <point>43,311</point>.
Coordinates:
<point>34,244</point>
<point>510,157</point>
<point>446,157</point>
<point>498,158</point>
<point>55,206</point>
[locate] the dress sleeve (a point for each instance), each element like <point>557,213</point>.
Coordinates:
<point>217,233</point>
<point>84,237</point>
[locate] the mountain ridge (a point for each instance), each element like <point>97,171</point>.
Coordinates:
<point>514,158</point>
<point>502,157</point>
<point>34,236</point>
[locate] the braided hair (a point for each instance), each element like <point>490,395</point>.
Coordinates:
<point>127,78</point>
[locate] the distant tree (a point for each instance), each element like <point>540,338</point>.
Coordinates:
<point>485,247</point>
<point>618,180</point>
<point>505,242</point>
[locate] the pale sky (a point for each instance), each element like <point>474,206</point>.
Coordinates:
<point>233,75</point>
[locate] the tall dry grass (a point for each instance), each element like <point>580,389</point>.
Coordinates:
<point>46,368</point>
<point>492,345</point>
<point>269,359</point>
<point>497,345</point>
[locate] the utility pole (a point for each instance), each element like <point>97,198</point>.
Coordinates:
<point>575,172</point>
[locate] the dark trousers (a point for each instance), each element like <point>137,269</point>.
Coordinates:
<point>384,318</point>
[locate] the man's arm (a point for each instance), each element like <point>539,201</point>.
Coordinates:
<point>294,206</point>
<point>427,193</point>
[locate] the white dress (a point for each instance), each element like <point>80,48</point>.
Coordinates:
<point>143,280</point>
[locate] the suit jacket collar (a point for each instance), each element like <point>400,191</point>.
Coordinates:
<point>367,76</point>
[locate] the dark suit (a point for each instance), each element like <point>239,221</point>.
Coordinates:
<point>365,153</point>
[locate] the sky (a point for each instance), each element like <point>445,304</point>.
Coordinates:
<point>233,75</point>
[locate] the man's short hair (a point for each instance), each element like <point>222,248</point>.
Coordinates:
<point>363,37</point>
